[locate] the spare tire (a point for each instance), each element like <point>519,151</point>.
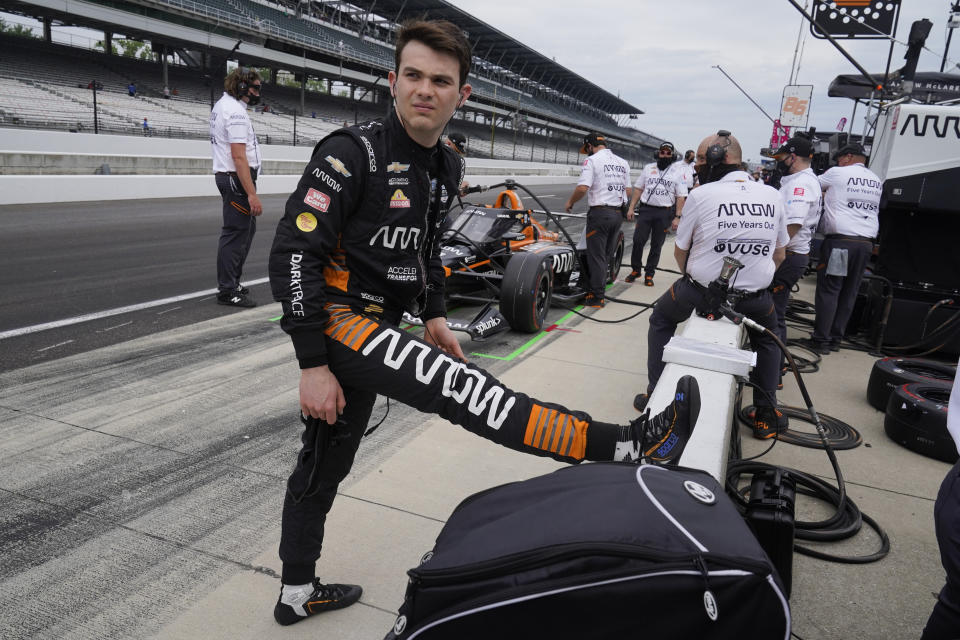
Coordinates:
<point>917,419</point>
<point>889,373</point>
<point>526,290</point>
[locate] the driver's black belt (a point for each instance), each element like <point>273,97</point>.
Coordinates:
<point>605,206</point>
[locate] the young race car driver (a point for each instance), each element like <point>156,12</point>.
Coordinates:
<point>357,246</point>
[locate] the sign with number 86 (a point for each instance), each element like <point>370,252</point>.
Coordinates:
<point>795,107</point>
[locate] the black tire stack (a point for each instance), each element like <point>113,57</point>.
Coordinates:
<point>915,394</point>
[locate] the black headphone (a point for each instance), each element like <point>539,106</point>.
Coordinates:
<point>717,152</point>
<point>243,85</point>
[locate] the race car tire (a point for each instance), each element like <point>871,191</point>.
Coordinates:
<point>526,290</point>
<point>889,373</point>
<point>917,419</point>
<point>613,268</point>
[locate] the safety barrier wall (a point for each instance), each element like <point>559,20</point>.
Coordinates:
<point>709,445</point>
<point>64,164</point>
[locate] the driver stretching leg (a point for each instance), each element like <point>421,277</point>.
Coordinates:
<point>356,246</point>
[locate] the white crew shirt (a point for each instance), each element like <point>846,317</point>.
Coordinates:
<point>662,188</point>
<point>801,200</point>
<point>691,173</point>
<point>229,123</point>
<point>851,201</point>
<point>608,177</point>
<point>736,217</point>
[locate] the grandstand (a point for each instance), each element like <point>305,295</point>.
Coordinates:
<point>524,106</point>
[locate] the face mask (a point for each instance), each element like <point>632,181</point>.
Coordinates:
<point>252,99</point>
<point>663,163</point>
<point>783,167</point>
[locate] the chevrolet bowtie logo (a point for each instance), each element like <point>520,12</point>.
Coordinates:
<point>338,166</point>
<point>396,167</point>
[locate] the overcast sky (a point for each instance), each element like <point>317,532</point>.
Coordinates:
<point>658,56</point>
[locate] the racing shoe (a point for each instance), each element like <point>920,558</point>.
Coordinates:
<point>662,438</point>
<point>298,603</point>
<point>235,299</point>
<point>632,277</point>
<point>593,302</point>
<point>768,422</point>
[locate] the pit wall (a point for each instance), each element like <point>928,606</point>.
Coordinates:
<point>52,166</point>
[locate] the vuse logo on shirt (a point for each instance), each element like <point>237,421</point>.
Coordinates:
<point>798,191</point>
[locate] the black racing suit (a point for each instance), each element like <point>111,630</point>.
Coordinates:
<point>356,246</point>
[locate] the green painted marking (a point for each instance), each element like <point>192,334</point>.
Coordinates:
<point>274,319</point>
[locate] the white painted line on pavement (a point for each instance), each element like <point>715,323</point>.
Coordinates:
<point>116,326</point>
<point>160,313</point>
<point>54,346</point>
<point>12,333</point>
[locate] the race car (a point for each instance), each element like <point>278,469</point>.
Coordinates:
<point>501,253</point>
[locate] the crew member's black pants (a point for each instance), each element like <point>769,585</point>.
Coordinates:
<point>369,357</point>
<point>676,305</point>
<point>787,275</point>
<point>944,622</point>
<point>836,295</point>
<point>652,223</point>
<point>603,225</point>
<point>236,236</point>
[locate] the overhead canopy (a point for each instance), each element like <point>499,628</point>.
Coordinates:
<point>506,52</point>
<point>927,86</point>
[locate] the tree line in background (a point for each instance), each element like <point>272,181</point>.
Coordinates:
<point>21,30</point>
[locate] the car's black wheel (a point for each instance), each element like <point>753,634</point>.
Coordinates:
<point>613,267</point>
<point>889,373</point>
<point>917,419</point>
<point>525,291</point>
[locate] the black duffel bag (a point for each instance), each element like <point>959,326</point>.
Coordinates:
<point>600,550</point>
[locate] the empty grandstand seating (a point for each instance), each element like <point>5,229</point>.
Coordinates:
<point>38,89</point>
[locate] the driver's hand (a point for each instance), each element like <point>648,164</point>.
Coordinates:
<point>630,215</point>
<point>569,207</point>
<point>437,333</point>
<point>320,394</point>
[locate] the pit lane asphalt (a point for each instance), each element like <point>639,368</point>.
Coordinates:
<point>63,261</point>
<point>144,454</point>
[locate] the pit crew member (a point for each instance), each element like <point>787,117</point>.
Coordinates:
<point>661,190</point>
<point>727,215</point>
<point>605,180</point>
<point>851,208</point>
<point>236,162</point>
<point>800,191</point>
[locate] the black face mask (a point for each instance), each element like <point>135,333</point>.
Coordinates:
<point>706,173</point>
<point>783,168</point>
<point>663,163</point>
<point>253,99</point>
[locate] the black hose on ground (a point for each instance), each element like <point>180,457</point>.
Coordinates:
<point>847,518</point>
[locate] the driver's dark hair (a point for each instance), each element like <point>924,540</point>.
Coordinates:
<point>440,35</point>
